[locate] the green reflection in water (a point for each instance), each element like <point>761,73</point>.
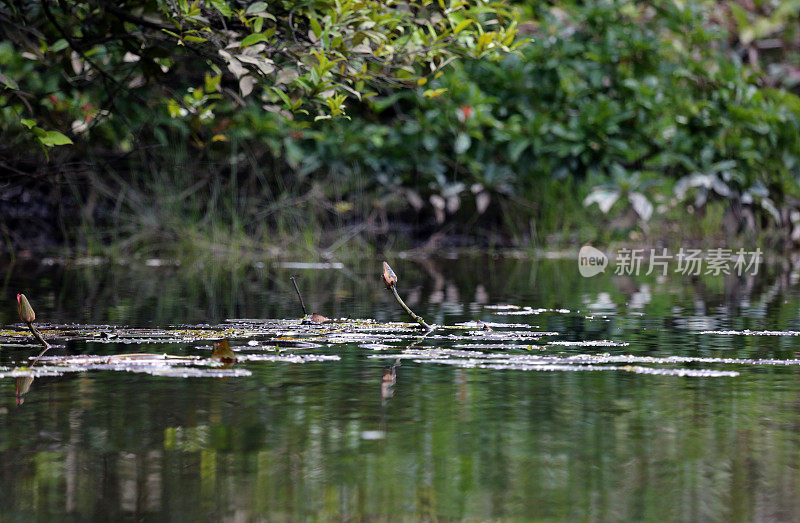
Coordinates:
<point>326,440</point>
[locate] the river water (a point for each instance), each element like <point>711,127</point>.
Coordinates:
<point>376,435</point>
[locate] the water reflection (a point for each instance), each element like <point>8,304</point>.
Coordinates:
<point>388,381</point>
<point>23,386</point>
<point>318,441</point>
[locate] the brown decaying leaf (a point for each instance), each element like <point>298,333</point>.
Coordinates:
<point>222,352</point>
<point>315,319</point>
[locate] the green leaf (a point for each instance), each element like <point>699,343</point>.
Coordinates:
<point>283,96</point>
<point>433,93</point>
<point>28,122</point>
<point>257,7</point>
<point>222,7</point>
<point>53,138</point>
<point>173,108</point>
<point>315,26</point>
<point>254,39</point>
<point>9,82</point>
<point>462,25</point>
<point>60,45</point>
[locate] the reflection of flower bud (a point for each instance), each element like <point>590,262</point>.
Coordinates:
<point>389,277</point>
<point>26,313</point>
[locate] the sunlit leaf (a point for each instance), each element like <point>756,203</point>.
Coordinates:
<point>641,205</point>
<point>433,93</point>
<point>256,7</point>
<point>604,199</point>
<point>53,138</point>
<point>222,7</point>
<point>462,25</point>
<point>254,39</point>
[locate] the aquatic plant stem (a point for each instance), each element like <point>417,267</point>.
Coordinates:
<point>41,340</point>
<point>297,290</point>
<point>416,318</point>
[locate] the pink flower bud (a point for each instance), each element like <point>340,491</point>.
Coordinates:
<point>26,313</point>
<point>389,277</point>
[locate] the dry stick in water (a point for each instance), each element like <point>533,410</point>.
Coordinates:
<point>27,315</point>
<point>390,280</point>
<point>314,318</point>
<point>297,290</point>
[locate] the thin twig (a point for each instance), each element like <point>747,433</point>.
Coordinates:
<point>297,289</point>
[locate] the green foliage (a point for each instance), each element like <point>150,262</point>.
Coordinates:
<point>643,108</point>
<point>288,56</point>
<point>622,96</point>
<point>44,138</point>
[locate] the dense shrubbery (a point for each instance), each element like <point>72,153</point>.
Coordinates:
<point>643,109</point>
<point>637,102</point>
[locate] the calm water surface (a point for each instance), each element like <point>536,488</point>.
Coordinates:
<point>330,440</point>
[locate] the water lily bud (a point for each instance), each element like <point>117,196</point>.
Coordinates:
<point>389,277</point>
<point>26,313</point>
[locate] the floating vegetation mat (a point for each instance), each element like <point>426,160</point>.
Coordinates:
<point>590,343</point>
<point>516,310</point>
<point>581,362</point>
<point>256,341</point>
<point>478,345</point>
<point>748,332</point>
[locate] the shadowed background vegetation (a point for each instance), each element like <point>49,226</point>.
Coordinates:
<point>617,120</point>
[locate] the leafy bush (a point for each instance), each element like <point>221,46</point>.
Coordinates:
<point>630,105</point>
<point>611,92</point>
